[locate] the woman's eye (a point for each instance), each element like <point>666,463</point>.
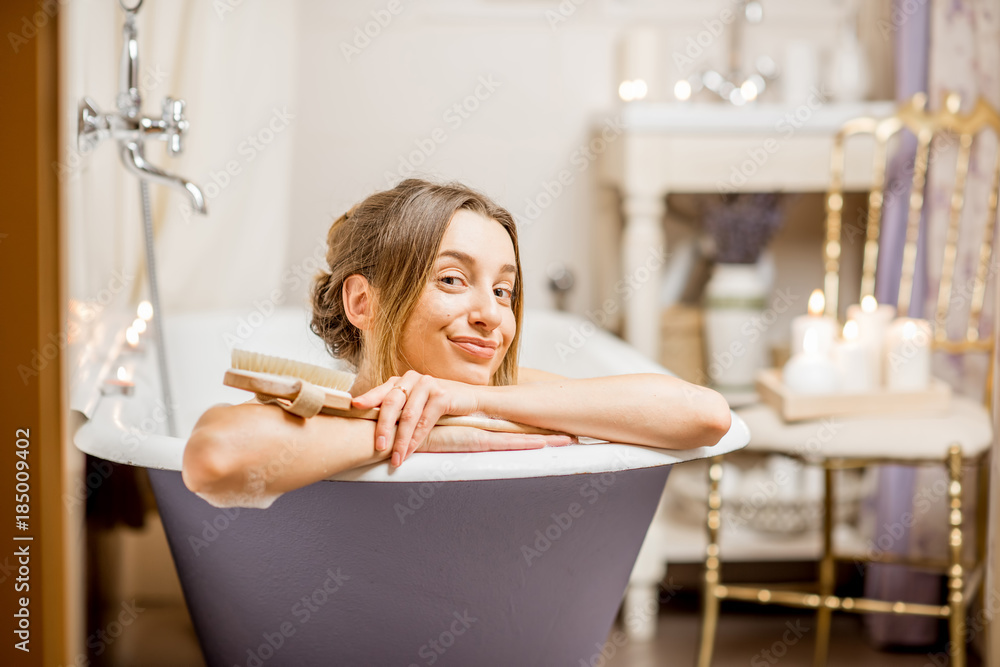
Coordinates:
<point>508,293</point>
<point>445,280</point>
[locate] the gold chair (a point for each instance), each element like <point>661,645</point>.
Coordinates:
<point>962,437</point>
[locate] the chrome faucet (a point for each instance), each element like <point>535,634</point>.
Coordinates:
<point>131,129</point>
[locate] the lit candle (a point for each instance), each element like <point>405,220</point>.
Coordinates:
<point>824,326</point>
<point>810,371</point>
<point>139,325</point>
<point>132,338</point>
<point>873,321</point>
<point>120,383</point>
<point>853,360</point>
<point>145,311</point>
<point>908,355</point>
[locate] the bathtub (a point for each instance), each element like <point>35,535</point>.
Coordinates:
<point>495,558</point>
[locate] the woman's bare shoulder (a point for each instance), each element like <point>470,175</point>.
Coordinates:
<point>533,375</point>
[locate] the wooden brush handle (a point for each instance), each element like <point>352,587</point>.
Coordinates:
<point>339,403</point>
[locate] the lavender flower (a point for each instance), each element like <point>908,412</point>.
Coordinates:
<point>743,224</point>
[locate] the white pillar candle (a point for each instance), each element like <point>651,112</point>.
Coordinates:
<point>855,368</point>
<point>873,321</point>
<point>640,64</point>
<point>908,355</point>
<point>824,326</point>
<point>809,371</point>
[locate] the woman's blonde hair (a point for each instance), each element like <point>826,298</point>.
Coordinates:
<point>392,238</point>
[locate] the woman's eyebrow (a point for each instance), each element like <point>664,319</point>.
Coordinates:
<point>471,261</point>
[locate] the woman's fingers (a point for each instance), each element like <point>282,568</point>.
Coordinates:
<point>374,396</point>
<point>409,419</point>
<point>389,411</point>
<point>433,410</point>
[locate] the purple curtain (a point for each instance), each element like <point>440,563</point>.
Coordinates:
<point>896,484</point>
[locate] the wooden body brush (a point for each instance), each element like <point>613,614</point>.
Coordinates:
<point>307,390</point>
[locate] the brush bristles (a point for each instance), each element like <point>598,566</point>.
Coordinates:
<point>263,363</point>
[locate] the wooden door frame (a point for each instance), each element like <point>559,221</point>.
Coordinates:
<point>33,330</point>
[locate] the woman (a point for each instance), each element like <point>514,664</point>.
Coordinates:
<point>424,299</point>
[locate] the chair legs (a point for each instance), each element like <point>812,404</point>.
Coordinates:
<point>710,601</point>
<point>826,601</point>
<point>956,578</point>
<point>827,574</point>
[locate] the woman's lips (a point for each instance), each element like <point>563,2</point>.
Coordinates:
<point>480,351</point>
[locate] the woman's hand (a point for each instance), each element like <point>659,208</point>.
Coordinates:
<point>472,439</point>
<point>417,401</point>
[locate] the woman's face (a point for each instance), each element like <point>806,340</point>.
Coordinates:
<point>463,323</point>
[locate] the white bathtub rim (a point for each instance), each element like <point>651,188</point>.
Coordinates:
<point>97,435</point>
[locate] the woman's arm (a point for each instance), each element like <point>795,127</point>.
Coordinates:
<point>643,409</point>
<point>249,454</point>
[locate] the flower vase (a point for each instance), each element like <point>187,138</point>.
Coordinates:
<point>735,299</point>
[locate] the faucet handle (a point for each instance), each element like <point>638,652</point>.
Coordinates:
<point>174,124</point>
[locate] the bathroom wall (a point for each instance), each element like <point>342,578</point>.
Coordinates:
<point>535,77</point>
<point>296,113</point>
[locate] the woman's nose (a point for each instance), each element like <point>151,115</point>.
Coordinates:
<point>486,312</point>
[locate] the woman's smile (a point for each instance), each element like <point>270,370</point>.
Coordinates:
<point>476,347</point>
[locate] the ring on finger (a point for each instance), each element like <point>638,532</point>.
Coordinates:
<point>402,389</point>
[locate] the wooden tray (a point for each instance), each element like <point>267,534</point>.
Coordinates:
<point>793,407</point>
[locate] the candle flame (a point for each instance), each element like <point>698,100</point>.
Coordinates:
<point>122,374</point>
<point>909,330</point>
<point>817,302</point>
<point>850,330</point>
<point>869,304</point>
<point>139,325</point>
<point>132,337</point>
<point>145,311</point>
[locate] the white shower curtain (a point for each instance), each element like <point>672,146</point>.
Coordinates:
<point>234,64</point>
